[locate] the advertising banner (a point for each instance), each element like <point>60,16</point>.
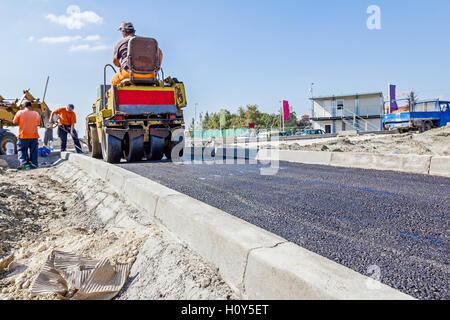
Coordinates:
<point>286,110</point>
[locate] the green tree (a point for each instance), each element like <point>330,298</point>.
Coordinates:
<point>228,117</point>
<point>270,121</point>
<point>253,115</point>
<point>243,117</point>
<point>240,119</point>
<point>206,121</point>
<point>214,121</point>
<point>292,123</point>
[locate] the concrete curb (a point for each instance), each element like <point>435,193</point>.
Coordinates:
<point>254,262</point>
<point>308,157</point>
<point>403,163</point>
<point>412,163</point>
<point>236,153</point>
<point>440,166</point>
<point>288,270</point>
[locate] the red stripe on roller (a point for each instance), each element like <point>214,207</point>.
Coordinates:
<point>140,97</point>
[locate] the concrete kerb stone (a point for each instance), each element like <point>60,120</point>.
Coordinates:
<point>291,272</point>
<point>94,167</point>
<point>352,160</point>
<point>236,153</point>
<point>419,164</point>
<point>145,194</point>
<point>308,157</point>
<point>440,166</point>
<point>415,163</point>
<point>117,177</point>
<point>254,262</point>
<point>217,236</point>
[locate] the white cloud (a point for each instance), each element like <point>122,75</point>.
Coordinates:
<point>31,38</point>
<point>75,18</point>
<point>79,43</point>
<point>92,38</point>
<point>63,39</point>
<point>88,47</point>
<point>67,39</point>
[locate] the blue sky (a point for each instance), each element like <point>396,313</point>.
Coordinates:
<point>230,53</point>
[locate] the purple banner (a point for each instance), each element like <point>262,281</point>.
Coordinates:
<point>286,110</point>
<point>392,98</point>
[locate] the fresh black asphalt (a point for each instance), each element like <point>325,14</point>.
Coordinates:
<point>362,219</point>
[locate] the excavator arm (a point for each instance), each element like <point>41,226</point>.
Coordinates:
<point>9,108</point>
<point>41,107</point>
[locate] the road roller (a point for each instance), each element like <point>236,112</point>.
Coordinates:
<point>141,118</point>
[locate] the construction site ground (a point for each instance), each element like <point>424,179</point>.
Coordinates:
<point>46,209</point>
<point>434,142</point>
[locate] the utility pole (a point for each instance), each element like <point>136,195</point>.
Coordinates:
<point>282,108</point>
<point>195,115</point>
<point>45,91</point>
<point>312,101</point>
<point>280,118</point>
<point>291,110</point>
<point>195,121</point>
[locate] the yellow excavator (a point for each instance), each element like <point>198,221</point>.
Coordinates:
<point>9,108</point>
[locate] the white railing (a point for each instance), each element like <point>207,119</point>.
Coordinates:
<point>355,124</point>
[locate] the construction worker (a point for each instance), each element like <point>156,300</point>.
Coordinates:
<point>28,121</point>
<point>120,55</point>
<point>67,120</point>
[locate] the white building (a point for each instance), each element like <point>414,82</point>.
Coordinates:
<point>360,112</point>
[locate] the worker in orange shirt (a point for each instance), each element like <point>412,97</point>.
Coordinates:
<point>120,55</point>
<point>67,120</point>
<point>28,121</point>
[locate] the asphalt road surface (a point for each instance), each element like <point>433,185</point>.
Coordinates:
<point>382,223</point>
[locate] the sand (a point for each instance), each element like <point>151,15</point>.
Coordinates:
<point>45,209</point>
<point>433,142</point>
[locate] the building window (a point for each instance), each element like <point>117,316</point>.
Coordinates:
<point>340,104</point>
<point>328,128</point>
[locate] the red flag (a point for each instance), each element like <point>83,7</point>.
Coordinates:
<point>286,110</point>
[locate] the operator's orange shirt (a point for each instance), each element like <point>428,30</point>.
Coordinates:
<point>28,121</point>
<point>65,117</point>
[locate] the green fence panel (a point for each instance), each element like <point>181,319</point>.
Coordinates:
<point>229,133</point>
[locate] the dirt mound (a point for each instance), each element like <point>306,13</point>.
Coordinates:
<point>433,142</point>
<point>62,208</point>
<point>21,206</point>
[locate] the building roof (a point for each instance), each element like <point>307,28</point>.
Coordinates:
<point>348,95</point>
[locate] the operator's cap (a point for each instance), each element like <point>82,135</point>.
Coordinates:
<point>126,26</point>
